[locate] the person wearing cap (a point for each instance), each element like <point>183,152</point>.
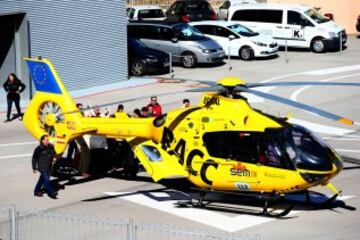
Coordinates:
<point>156,107</point>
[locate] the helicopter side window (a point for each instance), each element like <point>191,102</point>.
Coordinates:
<point>273,151</point>
<point>234,145</point>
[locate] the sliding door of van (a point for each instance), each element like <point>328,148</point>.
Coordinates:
<point>298,30</point>
<point>267,21</point>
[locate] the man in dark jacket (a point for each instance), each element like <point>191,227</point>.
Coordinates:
<point>42,160</point>
<point>13,86</point>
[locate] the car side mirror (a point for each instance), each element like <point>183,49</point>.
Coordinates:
<point>174,40</point>
<point>231,37</point>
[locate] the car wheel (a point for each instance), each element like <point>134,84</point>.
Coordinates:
<point>189,60</point>
<point>246,53</point>
<point>318,45</point>
<point>138,68</point>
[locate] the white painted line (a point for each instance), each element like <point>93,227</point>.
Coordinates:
<point>341,139</point>
<point>334,70</point>
<point>256,99</point>
<point>203,216</point>
<point>17,156</point>
<point>17,144</point>
<point>347,150</point>
<point>295,95</point>
<point>315,127</point>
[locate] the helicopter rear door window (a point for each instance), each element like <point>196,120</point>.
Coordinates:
<point>234,145</point>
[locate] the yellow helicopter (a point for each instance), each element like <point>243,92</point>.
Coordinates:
<point>223,144</point>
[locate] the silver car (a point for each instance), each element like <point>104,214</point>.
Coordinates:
<point>186,44</point>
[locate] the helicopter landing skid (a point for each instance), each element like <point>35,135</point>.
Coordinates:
<point>200,202</point>
<point>320,204</point>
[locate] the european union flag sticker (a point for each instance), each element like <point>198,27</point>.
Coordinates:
<point>43,78</point>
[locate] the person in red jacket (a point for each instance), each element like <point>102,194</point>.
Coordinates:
<point>156,108</point>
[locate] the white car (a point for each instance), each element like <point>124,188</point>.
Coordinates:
<point>240,40</point>
<point>224,8</point>
<point>145,12</point>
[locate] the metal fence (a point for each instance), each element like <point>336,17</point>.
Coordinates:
<point>21,224</point>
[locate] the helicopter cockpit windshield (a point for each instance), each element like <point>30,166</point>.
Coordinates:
<point>285,148</point>
<point>307,150</point>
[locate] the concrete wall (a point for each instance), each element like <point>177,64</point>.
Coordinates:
<point>345,11</point>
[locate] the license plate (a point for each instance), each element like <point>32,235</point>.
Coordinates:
<point>166,64</point>
<point>273,50</point>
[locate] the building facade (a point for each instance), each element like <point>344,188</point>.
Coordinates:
<point>86,40</point>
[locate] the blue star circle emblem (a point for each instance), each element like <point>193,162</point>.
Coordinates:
<point>39,74</point>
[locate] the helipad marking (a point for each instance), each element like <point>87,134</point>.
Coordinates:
<point>324,71</point>
<point>17,144</point>
<point>347,150</point>
<point>203,216</point>
<point>334,70</point>
<point>341,139</point>
<point>295,94</point>
<point>16,156</point>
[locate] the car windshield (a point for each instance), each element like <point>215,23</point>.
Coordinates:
<point>151,13</point>
<point>186,32</point>
<point>242,30</point>
<point>316,16</point>
<point>134,43</point>
<point>199,8</point>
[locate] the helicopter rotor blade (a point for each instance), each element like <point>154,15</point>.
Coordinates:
<point>215,88</point>
<point>120,101</point>
<point>289,84</point>
<point>210,83</point>
<point>302,106</point>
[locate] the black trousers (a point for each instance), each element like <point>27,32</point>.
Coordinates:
<point>16,100</point>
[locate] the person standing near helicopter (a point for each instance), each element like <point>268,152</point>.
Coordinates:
<point>13,86</point>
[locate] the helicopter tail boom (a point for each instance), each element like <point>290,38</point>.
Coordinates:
<point>45,113</point>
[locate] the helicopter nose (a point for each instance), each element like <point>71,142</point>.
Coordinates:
<point>335,166</point>
<point>338,162</point>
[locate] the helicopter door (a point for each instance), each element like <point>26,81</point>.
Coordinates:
<point>237,162</point>
<point>157,162</point>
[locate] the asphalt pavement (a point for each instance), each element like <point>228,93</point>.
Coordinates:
<point>104,197</point>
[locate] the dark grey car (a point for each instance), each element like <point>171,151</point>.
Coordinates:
<point>186,44</point>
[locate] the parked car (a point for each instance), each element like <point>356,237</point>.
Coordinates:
<point>190,10</point>
<point>186,44</point>
<point>238,39</point>
<point>145,12</point>
<point>223,11</point>
<point>292,24</point>
<point>143,60</point>
<point>358,24</point>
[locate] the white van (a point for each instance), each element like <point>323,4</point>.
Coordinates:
<point>298,25</point>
